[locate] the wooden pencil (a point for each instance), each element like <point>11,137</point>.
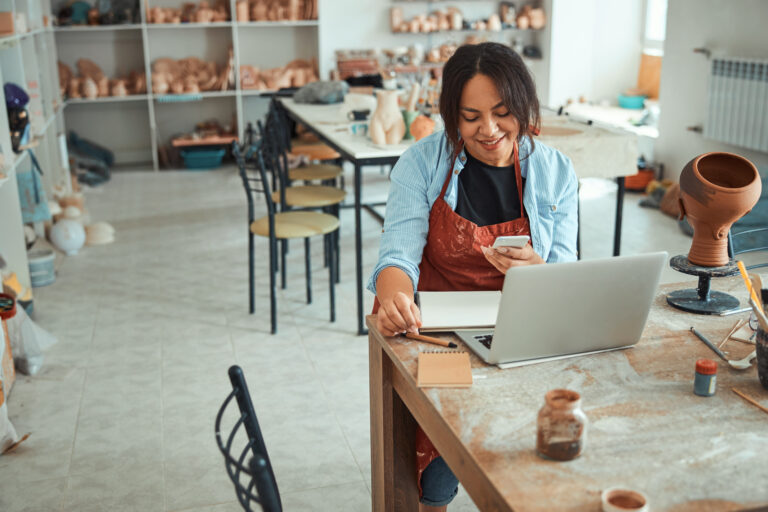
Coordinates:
<point>750,400</point>
<point>430,339</point>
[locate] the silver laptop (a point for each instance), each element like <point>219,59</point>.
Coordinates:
<point>567,309</point>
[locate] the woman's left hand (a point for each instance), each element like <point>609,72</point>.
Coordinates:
<point>504,258</point>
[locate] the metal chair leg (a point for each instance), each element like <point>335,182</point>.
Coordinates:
<point>282,263</point>
<point>332,280</point>
<point>272,284</point>
<point>251,276</point>
<point>308,270</point>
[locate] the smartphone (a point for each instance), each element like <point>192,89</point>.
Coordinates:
<point>511,241</point>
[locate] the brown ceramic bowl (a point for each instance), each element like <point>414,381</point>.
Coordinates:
<point>716,189</point>
<point>623,500</point>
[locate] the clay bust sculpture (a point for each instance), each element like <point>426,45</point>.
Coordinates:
<point>387,125</point>
<point>716,189</point>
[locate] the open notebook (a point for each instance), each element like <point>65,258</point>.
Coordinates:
<point>439,369</point>
<point>453,311</point>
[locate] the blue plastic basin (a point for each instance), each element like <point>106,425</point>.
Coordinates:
<point>202,158</point>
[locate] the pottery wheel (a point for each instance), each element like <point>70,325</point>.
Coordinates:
<point>702,300</point>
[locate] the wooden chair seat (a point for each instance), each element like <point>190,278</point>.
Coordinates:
<point>315,151</point>
<point>296,225</point>
<point>315,172</point>
<point>310,196</point>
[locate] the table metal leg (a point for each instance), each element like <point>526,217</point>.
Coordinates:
<point>619,212</point>
<point>359,252</point>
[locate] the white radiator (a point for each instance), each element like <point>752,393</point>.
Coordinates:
<point>738,102</point>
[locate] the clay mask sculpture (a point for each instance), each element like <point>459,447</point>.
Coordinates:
<point>387,125</point>
<point>716,189</point>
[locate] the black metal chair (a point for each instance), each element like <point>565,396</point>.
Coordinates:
<point>254,480</point>
<point>748,240</point>
<point>283,226</point>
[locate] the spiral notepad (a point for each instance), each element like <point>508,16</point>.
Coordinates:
<point>444,370</point>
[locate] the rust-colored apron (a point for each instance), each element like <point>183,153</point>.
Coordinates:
<point>453,260</point>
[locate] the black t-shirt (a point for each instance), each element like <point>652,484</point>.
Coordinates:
<point>487,194</point>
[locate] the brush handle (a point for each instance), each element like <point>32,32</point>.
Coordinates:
<point>709,344</point>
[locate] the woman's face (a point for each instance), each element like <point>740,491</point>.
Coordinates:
<point>487,127</point>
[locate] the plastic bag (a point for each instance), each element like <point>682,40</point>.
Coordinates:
<point>7,433</point>
<point>28,340</point>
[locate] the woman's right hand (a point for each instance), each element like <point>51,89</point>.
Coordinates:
<point>398,314</point>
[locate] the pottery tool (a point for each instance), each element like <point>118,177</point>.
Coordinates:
<point>738,325</point>
<point>430,339</point>
<point>747,282</point>
<point>709,344</point>
<point>750,400</point>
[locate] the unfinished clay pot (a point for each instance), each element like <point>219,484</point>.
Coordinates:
<point>421,127</point>
<point>103,85</point>
<point>89,88</point>
<point>395,18</point>
<point>242,10</point>
<point>716,189</point>
<point>387,125</point>
<point>119,88</point>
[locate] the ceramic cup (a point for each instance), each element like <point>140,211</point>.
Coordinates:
<point>358,115</point>
<point>761,347</point>
<point>358,128</point>
<point>623,500</point>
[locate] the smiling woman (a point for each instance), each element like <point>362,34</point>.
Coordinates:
<point>454,192</point>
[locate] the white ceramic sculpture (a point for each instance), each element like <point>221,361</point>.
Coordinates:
<point>68,236</point>
<point>99,233</point>
<point>387,125</point>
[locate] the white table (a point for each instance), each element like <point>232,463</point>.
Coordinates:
<point>595,152</point>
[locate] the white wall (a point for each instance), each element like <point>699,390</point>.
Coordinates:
<point>595,49</point>
<point>733,28</point>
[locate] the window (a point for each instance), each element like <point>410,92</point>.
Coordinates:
<point>655,26</point>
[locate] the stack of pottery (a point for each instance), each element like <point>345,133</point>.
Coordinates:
<point>190,75</point>
<point>716,190</point>
<point>276,10</point>
<point>296,73</point>
<point>92,83</point>
<point>191,13</point>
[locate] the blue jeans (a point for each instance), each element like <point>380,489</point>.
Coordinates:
<point>438,484</point>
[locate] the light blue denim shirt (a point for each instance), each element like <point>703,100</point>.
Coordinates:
<point>550,199</point>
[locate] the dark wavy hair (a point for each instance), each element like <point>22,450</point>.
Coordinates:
<point>506,69</point>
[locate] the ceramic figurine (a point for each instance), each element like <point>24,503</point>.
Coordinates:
<point>507,12</point>
<point>73,88</point>
<point>414,26</point>
<point>716,189</point>
<point>537,18</point>
<point>242,10</point>
<point>443,21</point>
<point>293,10</point>
<point>93,16</point>
<point>119,89</point>
<point>89,88</point>
<point>387,125</point>
<point>522,21</point>
<point>494,23</point>
<point>103,86</point>
<point>177,87</point>
<point>457,20</point>
<point>259,11</point>
<point>159,84</point>
<point>395,18</point>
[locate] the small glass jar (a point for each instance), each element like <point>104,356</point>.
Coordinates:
<point>561,426</point>
<point>705,382</point>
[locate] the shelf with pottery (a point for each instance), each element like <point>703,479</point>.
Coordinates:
<point>97,28</point>
<point>285,23</point>
<point>192,96</point>
<point>218,24</point>
<point>106,99</point>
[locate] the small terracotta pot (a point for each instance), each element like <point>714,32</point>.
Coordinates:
<point>716,189</point>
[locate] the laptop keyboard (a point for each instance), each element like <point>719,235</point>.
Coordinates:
<point>485,339</point>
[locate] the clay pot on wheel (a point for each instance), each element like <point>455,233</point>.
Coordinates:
<point>716,189</point>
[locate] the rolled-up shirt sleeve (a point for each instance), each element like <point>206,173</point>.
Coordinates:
<point>566,226</point>
<point>407,219</point>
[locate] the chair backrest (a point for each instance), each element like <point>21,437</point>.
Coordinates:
<point>748,240</point>
<point>250,158</point>
<point>254,480</point>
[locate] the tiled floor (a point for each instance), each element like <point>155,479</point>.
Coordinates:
<point>122,414</point>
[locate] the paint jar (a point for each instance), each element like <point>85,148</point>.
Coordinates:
<point>561,432</point>
<point>761,347</point>
<point>706,377</point>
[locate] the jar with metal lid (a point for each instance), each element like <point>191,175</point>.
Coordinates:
<point>561,426</point>
<point>706,377</point>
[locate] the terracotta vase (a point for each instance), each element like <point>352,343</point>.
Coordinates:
<point>387,125</point>
<point>421,127</point>
<point>716,189</point>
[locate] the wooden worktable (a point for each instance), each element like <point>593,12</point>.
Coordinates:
<point>647,431</point>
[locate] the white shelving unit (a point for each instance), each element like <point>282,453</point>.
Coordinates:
<point>147,121</point>
<point>29,61</point>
